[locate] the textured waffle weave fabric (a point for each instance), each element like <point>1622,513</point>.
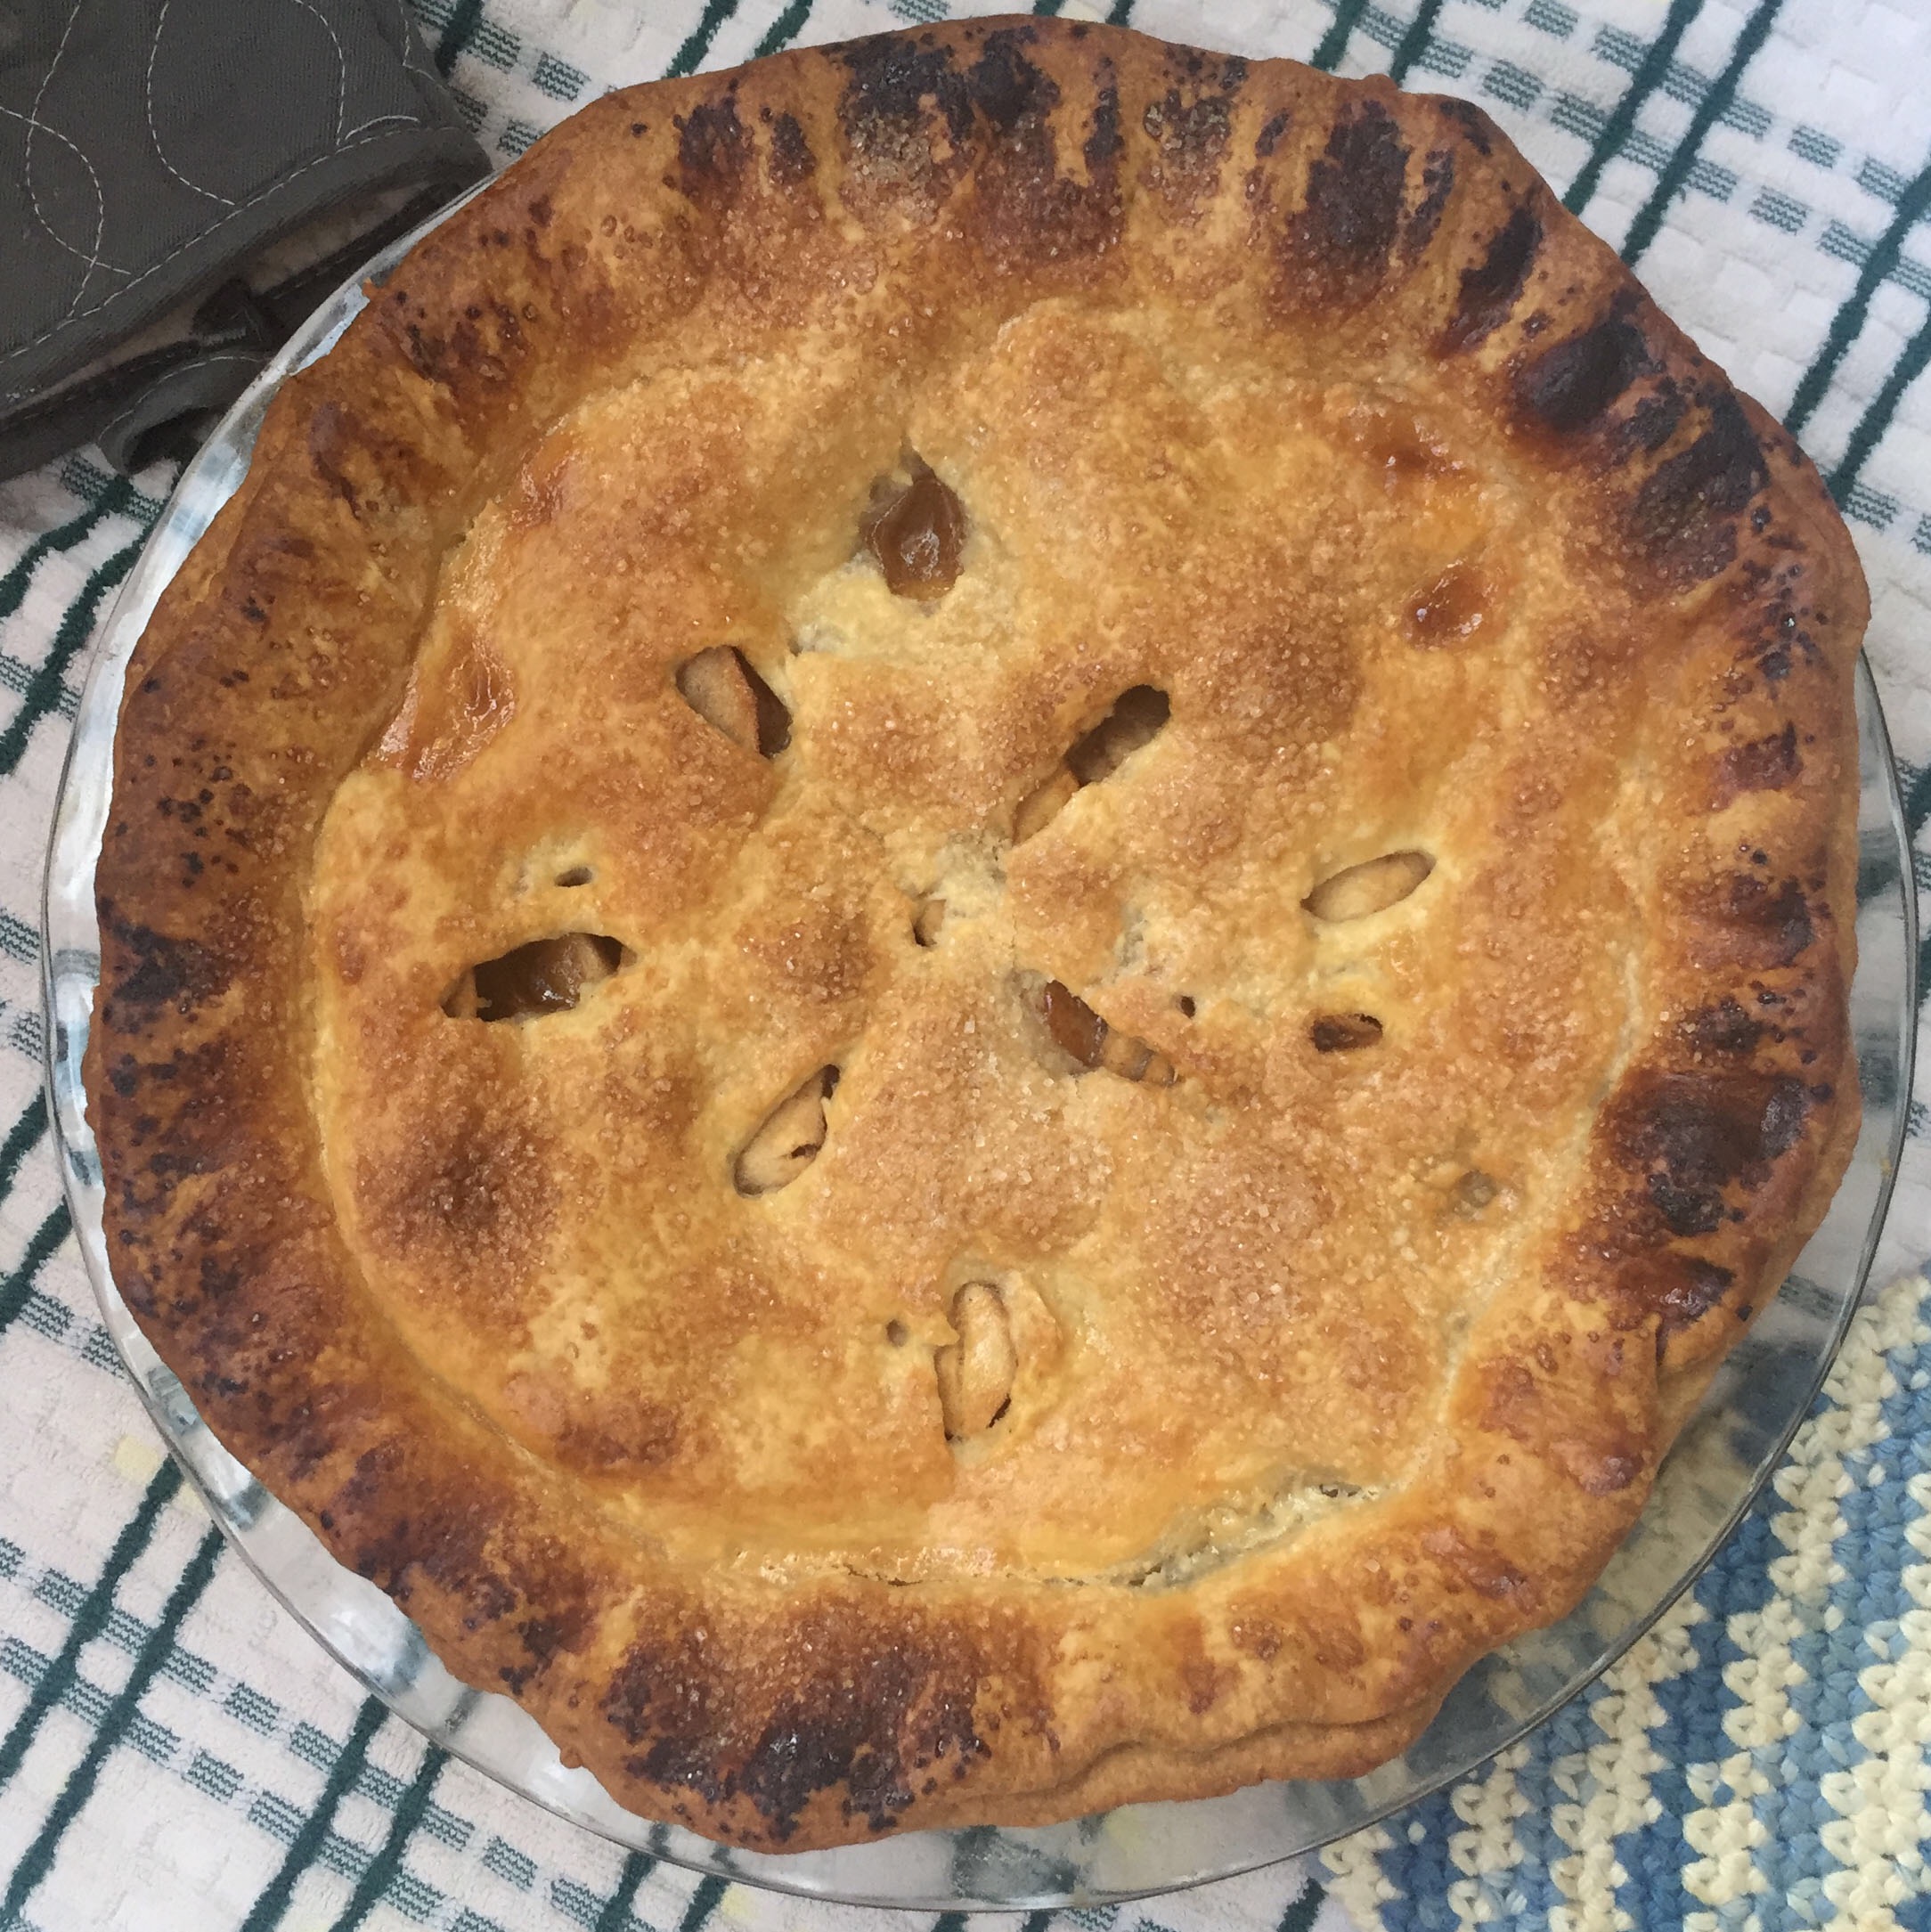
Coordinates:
<point>175,1753</point>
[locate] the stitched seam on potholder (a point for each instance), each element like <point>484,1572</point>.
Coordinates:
<point>280,182</point>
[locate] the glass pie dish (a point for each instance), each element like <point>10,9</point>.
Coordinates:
<point>1716,1468</point>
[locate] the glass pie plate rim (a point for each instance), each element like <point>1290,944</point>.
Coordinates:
<point>1711,1477</point>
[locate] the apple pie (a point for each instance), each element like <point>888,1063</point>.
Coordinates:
<point>968,942</point>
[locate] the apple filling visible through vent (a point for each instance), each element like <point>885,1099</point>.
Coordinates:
<point>916,532</point>
<point>547,975</point>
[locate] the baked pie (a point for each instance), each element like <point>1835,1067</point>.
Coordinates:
<point>972,936</point>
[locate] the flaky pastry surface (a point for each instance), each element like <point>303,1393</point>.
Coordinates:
<point>978,926</point>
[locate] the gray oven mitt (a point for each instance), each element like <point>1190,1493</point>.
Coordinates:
<point>180,182</point>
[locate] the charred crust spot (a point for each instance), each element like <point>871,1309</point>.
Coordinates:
<point>1766,764</point>
<point>1724,1028</point>
<point>876,1733</point>
<point>1691,1136</point>
<point>541,1638</point>
<point>1684,516</point>
<point>1103,144</point>
<point>884,106</point>
<point>220,1278</point>
<point>1690,1290</point>
<point>1654,418</point>
<point>1749,920</point>
<point>1779,636</point>
<point>1438,183</point>
<point>792,159</point>
<point>1006,86</point>
<point>711,149</point>
<point>1339,242</point>
<point>1190,140</point>
<point>1491,287</point>
<point>328,432</point>
<point>1027,211</point>
<point>1573,382</point>
<point>907,111</point>
<point>1477,128</point>
<point>1269,137</point>
<point>451,1545</point>
<point>153,971</point>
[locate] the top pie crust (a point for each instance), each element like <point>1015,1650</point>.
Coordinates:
<point>1284,1379</point>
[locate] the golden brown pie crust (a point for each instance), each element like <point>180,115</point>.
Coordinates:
<point>1322,1334</point>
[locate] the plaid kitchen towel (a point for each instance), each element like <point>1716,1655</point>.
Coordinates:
<point>176,1756</point>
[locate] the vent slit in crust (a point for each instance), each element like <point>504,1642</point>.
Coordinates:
<point>975,1373</point>
<point>1359,891</point>
<point>541,976</point>
<point>1344,1032</point>
<point>1137,717</point>
<point>788,1139</point>
<point>723,687</point>
<point>928,921</point>
<point>1078,1030</point>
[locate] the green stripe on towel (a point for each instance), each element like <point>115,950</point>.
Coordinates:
<point>1721,92</point>
<point>1414,42</point>
<point>1301,1916</point>
<point>1648,77</point>
<point>1328,56</point>
<point>38,1860</point>
<point>90,1620</point>
<point>266,1911</point>
<point>44,685</point>
<point>22,1137</point>
<point>688,57</point>
<point>1848,323</point>
<point>786,27</point>
<point>1876,419</point>
<point>387,1861</point>
<point>637,1868</point>
<point>465,17</point>
<point>41,1245</point>
<point>703,1903</point>
<point>13,586</point>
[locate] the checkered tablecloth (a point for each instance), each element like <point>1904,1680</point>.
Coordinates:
<point>176,1756</point>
